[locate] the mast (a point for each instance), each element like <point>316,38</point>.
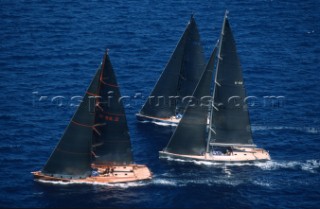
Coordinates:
<point>214,54</point>
<point>211,129</point>
<point>230,117</point>
<point>180,75</point>
<point>72,156</point>
<point>111,140</point>
<point>189,137</point>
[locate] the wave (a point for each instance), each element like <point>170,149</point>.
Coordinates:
<point>177,182</point>
<point>262,183</point>
<point>155,181</point>
<point>311,130</point>
<point>227,177</point>
<point>118,185</point>
<point>312,166</point>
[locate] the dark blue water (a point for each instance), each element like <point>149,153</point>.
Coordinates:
<point>50,50</point>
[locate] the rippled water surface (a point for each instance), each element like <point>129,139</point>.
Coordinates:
<point>50,50</point>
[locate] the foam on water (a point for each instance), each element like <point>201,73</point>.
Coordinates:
<point>166,182</point>
<point>309,165</point>
<point>311,130</point>
<point>212,180</point>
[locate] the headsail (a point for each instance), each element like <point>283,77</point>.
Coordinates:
<point>230,117</point>
<point>111,140</point>
<point>189,137</point>
<point>179,77</point>
<point>72,156</point>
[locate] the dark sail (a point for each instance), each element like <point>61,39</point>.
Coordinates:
<point>179,77</point>
<point>230,118</point>
<point>72,156</point>
<point>189,137</point>
<point>111,140</point>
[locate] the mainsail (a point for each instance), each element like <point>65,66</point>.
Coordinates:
<point>179,77</point>
<point>189,137</point>
<point>99,128</point>
<point>111,140</point>
<point>230,116</point>
<point>72,156</point>
<point>229,125</point>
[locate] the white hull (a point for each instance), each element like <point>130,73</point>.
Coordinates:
<point>238,155</point>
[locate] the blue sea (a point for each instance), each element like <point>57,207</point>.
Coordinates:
<point>50,50</point>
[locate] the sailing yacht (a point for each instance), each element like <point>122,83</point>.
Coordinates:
<point>228,137</point>
<point>95,147</point>
<point>169,96</point>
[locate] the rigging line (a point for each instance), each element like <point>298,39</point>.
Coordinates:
<point>213,130</point>
<point>108,113</point>
<point>99,124</point>
<point>81,124</point>
<point>94,128</point>
<point>215,107</point>
<point>98,105</point>
<point>97,144</point>
<point>108,84</point>
<point>182,77</point>
<point>92,94</point>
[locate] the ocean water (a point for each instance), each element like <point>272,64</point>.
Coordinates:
<point>50,50</point>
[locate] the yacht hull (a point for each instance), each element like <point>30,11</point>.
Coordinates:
<point>172,121</point>
<point>116,174</point>
<point>241,155</point>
